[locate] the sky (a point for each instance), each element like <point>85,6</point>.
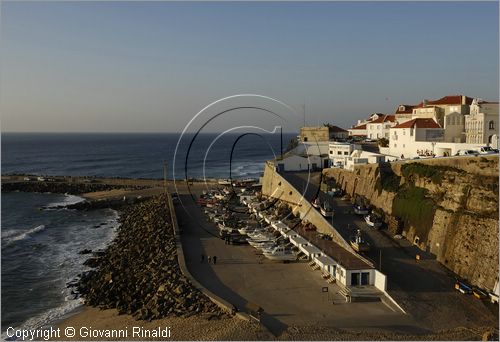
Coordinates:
<point>151,66</point>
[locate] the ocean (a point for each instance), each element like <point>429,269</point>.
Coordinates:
<point>40,247</point>
<point>139,155</point>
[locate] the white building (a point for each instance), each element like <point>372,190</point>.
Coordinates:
<point>481,125</point>
<point>339,152</point>
<point>310,156</point>
<point>360,129</point>
<point>338,133</point>
<point>407,139</point>
<point>379,128</point>
<point>449,112</point>
<point>299,163</point>
<point>359,157</point>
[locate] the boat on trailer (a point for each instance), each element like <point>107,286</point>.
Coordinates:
<point>361,210</point>
<point>358,243</point>
<point>281,254</point>
<point>373,221</point>
<point>327,210</point>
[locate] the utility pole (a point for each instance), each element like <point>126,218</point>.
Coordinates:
<point>281,141</point>
<point>165,176</point>
<point>304,113</point>
<point>380,260</point>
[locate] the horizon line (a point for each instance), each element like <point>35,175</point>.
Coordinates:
<point>121,132</point>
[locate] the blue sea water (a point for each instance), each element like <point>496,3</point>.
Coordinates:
<point>139,155</point>
<point>40,254</point>
<point>40,247</point>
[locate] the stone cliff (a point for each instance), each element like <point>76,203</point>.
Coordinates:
<point>446,206</point>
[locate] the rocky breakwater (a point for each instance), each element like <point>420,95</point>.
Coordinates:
<point>446,206</point>
<point>62,187</point>
<point>138,274</point>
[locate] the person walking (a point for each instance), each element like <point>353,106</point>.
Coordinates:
<point>215,259</point>
<point>209,258</point>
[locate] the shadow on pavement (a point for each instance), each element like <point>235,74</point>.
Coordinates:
<point>191,238</point>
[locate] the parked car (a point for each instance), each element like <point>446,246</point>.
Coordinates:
<point>487,150</point>
<point>463,287</point>
<point>467,153</point>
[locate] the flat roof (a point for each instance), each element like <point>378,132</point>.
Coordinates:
<point>342,256</point>
<point>290,233</point>
<point>310,249</point>
<point>299,240</point>
<point>279,225</point>
<point>325,260</point>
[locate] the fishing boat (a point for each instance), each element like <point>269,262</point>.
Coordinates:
<point>224,182</point>
<point>373,221</point>
<point>327,210</point>
<point>237,239</point>
<point>358,243</point>
<point>259,244</point>
<point>220,196</point>
<point>267,247</point>
<point>223,227</point>
<point>360,210</point>
<point>249,229</point>
<point>260,237</point>
<point>316,203</point>
<point>281,254</point>
<point>334,192</point>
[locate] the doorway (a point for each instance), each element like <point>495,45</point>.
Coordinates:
<point>354,279</point>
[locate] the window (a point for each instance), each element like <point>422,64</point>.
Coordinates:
<point>404,131</point>
<point>346,153</point>
<point>339,153</point>
<point>491,125</point>
<point>331,152</point>
<point>395,145</point>
<point>305,139</point>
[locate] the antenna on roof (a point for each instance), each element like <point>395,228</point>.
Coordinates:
<point>304,112</point>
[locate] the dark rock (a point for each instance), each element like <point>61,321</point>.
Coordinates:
<point>138,273</point>
<point>92,262</point>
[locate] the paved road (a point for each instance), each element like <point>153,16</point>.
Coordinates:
<point>290,294</point>
<point>424,288</point>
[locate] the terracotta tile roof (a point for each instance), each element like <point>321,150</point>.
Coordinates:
<point>418,123</point>
<point>384,118</point>
<point>447,100</point>
<point>452,99</point>
<point>408,109</point>
<point>359,127</point>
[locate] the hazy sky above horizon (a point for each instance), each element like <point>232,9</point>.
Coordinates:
<point>138,67</point>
